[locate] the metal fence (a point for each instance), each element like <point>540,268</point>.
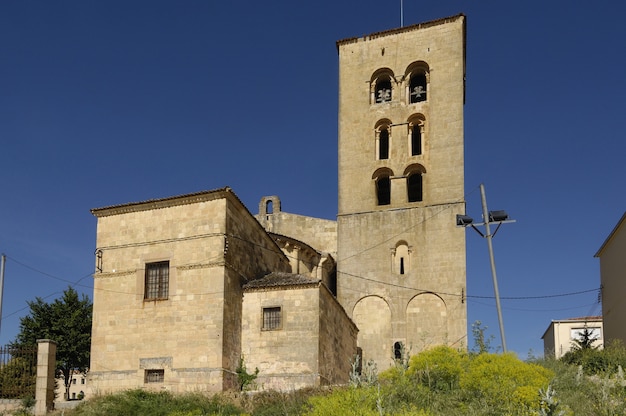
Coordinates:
<point>18,372</point>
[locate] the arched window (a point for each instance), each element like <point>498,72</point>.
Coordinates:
<point>416,134</point>
<point>383,190</point>
<point>401,258</point>
<point>417,88</point>
<point>414,182</point>
<point>416,140</point>
<point>381,86</point>
<point>383,139</point>
<point>397,350</point>
<point>383,144</point>
<point>383,91</point>
<point>382,181</point>
<point>414,187</point>
<point>417,73</point>
<point>268,205</point>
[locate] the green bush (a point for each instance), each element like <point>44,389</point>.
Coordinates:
<point>505,382</point>
<point>346,401</point>
<point>596,361</point>
<point>439,368</point>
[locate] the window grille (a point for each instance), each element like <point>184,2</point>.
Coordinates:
<point>157,280</point>
<point>271,318</point>
<point>154,376</point>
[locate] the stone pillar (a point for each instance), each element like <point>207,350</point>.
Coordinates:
<point>46,367</point>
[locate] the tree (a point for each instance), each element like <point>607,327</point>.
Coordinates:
<point>67,321</point>
<point>585,340</point>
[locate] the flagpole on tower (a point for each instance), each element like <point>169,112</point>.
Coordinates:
<point>401,13</point>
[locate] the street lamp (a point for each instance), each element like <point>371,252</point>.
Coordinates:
<point>489,217</point>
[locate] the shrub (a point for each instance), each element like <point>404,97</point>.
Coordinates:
<point>245,379</point>
<point>140,402</point>
<point>360,401</point>
<point>595,361</point>
<point>439,368</point>
<point>505,382</point>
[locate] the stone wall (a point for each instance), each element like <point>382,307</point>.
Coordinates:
<point>401,265</point>
<point>318,233</point>
<point>194,334</point>
<point>337,340</point>
<point>314,345</point>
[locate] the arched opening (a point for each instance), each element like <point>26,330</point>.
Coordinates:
<point>383,91</point>
<point>269,207</point>
<point>383,190</point>
<point>383,144</point>
<point>416,134</point>
<point>414,187</point>
<point>381,86</point>
<point>401,258</point>
<point>416,140</point>
<point>414,182</point>
<point>397,350</point>
<point>417,88</point>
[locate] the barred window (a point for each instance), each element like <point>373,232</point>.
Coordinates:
<point>157,280</point>
<point>271,318</point>
<point>154,376</point>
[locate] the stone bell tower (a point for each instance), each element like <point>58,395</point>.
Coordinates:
<point>401,259</point>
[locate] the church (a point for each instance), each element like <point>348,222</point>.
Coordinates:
<point>190,287</point>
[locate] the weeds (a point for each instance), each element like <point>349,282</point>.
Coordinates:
<point>441,381</point>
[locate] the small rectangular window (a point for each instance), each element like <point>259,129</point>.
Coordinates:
<point>73,381</point>
<point>154,376</point>
<point>82,381</point>
<point>271,318</point>
<point>157,280</point>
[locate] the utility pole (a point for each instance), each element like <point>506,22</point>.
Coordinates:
<point>492,260</point>
<point>499,217</point>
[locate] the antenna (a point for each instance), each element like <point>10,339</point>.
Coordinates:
<point>401,13</point>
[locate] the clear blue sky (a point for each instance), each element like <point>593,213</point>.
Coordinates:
<point>111,102</point>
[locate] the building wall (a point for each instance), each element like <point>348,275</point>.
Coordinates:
<point>560,336</point>
<point>613,278</point>
<point>78,387</point>
<point>316,232</point>
<point>287,358</point>
<point>193,335</point>
<point>401,266</point>
<point>337,340</point>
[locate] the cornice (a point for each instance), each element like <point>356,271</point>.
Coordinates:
<point>152,204</point>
